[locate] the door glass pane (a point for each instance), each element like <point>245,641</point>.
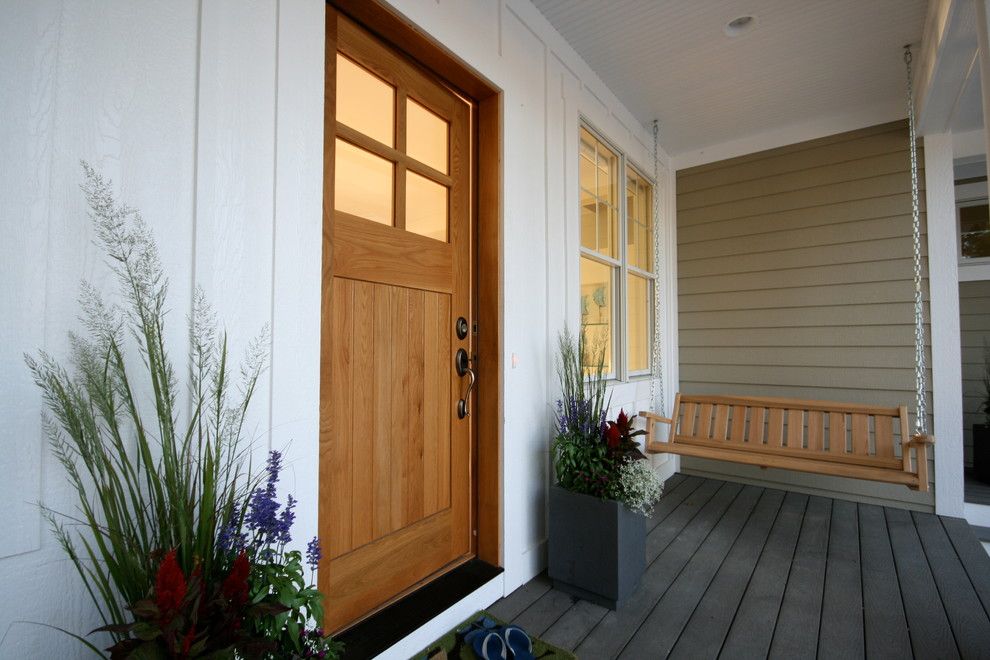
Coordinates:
<point>639,234</point>
<point>426,207</point>
<point>365,102</point>
<point>974,230</point>
<point>639,312</point>
<point>362,183</point>
<point>426,136</point>
<point>597,317</point>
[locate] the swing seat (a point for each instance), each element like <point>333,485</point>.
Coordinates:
<point>822,437</point>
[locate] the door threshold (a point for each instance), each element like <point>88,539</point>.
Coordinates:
<point>382,630</point>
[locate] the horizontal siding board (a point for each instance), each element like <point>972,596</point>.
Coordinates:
<point>872,335</point>
<point>802,376</point>
<point>799,257</point>
<point>814,356</point>
<point>886,184</point>
<point>900,313</point>
<point>882,271</point>
<point>831,148</point>
<point>860,293</point>
<point>819,237</point>
<point>795,275</point>
<point>849,170</point>
<point>834,213</point>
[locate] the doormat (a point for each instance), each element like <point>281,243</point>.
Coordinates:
<point>452,647</point>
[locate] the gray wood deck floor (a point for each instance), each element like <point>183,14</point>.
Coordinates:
<point>737,571</point>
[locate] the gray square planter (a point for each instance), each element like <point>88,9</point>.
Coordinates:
<point>597,549</point>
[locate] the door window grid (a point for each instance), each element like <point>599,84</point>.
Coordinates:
<point>392,154</point>
<point>617,273</point>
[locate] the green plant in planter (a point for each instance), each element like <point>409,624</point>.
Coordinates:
<point>157,486</point>
<point>592,455</point>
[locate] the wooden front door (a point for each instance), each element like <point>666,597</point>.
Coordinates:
<point>395,479</point>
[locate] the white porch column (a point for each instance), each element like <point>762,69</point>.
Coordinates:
<point>983,54</point>
<point>944,300</point>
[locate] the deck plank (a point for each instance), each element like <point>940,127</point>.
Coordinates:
<point>884,623</point>
<point>931,636</point>
<point>973,557</point>
<point>543,613</point>
<point>571,628</point>
<point>514,604</point>
<point>617,628</point>
<point>967,619</point>
<point>796,633</point>
<point>752,629</point>
<point>738,571</point>
<point>666,532</point>
<point>709,624</point>
<point>658,633</point>
<point>841,631</point>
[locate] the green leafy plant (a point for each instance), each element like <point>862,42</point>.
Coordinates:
<point>261,530</point>
<point>592,455</point>
<point>146,482</point>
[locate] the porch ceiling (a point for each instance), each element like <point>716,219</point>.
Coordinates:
<point>805,60</point>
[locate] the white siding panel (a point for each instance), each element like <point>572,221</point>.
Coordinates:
<point>236,180</point>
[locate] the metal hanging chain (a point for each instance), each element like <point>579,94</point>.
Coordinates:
<point>657,399</point>
<point>921,386</point>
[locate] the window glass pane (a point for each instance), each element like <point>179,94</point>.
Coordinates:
<point>589,226</point>
<point>639,234</point>
<point>598,175</point>
<point>608,229</point>
<point>974,228</point>
<point>426,136</point>
<point>365,102</point>
<point>639,313</point>
<point>426,207</point>
<point>362,183</point>
<point>597,309</point>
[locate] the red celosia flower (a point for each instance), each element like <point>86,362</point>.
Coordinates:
<point>170,585</point>
<point>235,587</point>
<point>613,435</point>
<point>188,640</point>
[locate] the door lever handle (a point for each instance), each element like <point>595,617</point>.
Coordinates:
<point>462,365</point>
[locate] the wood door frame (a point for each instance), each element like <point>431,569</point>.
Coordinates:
<point>398,32</point>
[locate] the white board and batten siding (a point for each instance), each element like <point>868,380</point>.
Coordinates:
<point>974,321</point>
<point>795,279</point>
<point>208,116</point>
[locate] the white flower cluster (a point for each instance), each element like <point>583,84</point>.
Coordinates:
<point>641,486</point>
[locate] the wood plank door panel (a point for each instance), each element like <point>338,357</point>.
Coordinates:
<point>396,487</point>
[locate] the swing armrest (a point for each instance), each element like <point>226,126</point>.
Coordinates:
<point>651,419</point>
<point>921,439</point>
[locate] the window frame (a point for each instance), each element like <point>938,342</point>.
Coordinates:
<point>620,288</point>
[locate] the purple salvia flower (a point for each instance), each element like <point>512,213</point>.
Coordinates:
<point>313,554</point>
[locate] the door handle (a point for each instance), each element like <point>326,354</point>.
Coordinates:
<point>462,363</point>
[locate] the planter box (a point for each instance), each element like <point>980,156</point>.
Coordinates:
<point>597,549</point>
<point>981,452</point>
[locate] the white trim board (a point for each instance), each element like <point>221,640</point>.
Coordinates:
<point>943,280</point>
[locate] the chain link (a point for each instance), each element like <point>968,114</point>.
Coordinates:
<point>657,399</point>
<point>921,386</point>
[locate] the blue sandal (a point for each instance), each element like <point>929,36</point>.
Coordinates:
<point>519,643</point>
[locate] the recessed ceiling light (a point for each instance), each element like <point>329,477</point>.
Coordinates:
<point>740,25</point>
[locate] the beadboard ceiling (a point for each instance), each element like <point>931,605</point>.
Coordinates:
<point>804,61</point>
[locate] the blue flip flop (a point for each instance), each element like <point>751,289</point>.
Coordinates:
<point>519,643</point>
<point>489,645</point>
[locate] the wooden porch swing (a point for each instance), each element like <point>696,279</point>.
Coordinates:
<point>823,437</point>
